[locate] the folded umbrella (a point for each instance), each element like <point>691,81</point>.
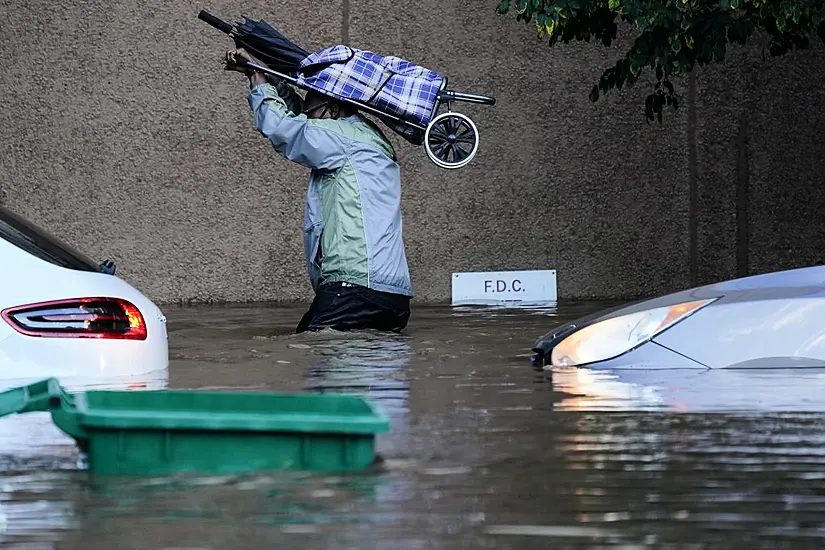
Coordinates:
<point>263,41</point>
<point>270,46</point>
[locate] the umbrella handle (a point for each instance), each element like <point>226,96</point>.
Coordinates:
<point>215,22</point>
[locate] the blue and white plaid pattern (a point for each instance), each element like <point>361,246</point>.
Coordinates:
<point>387,83</point>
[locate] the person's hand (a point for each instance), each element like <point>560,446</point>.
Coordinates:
<point>231,61</point>
<point>255,77</point>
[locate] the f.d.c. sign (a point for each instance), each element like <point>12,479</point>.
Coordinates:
<point>504,286</point>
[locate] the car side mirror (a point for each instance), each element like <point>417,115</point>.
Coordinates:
<point>108,267</point>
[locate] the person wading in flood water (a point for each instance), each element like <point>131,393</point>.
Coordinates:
<point>353,244</point>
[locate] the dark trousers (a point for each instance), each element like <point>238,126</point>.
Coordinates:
<point>342,306</point>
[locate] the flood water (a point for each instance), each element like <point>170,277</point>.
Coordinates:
<point>483,452</point>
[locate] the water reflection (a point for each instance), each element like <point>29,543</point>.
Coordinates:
<point>32,510</point>
<point>369,365</point>
<point>689,390</point>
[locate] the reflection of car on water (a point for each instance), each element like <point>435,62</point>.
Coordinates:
<point>774,320</point>
<point>689,390</point>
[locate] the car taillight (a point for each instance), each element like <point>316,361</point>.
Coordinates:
<point>78,318</point>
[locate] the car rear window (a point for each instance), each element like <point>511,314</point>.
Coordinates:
<point>26,235</point>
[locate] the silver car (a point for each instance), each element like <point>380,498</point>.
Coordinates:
<point>770,321</point>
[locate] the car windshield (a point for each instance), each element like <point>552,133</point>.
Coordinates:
<point>26,235</point>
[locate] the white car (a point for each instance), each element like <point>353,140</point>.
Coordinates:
<point>63,316</point>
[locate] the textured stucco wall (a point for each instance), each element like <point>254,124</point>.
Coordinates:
<point>120,132</point>
<point>760,163</point>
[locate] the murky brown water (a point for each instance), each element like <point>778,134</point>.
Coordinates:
<point>484,452</point>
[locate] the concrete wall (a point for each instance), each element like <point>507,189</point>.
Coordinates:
<point>120,132</point>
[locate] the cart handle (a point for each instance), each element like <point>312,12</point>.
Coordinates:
<point>215,22</point>
<point>449,95</point>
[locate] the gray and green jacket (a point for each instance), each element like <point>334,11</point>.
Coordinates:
<point>352,224</point>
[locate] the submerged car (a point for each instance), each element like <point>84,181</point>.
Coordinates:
<point>773,320</point>
<point>63,315</point>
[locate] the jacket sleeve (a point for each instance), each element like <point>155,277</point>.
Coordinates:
<point>294,102</point>
<point>313,143</point>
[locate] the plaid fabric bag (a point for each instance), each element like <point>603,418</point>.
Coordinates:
<point>387,83</point>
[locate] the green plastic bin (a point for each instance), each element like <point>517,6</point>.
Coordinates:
<point>156,432</point>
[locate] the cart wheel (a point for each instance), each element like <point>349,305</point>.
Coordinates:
<point>451,140</point>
